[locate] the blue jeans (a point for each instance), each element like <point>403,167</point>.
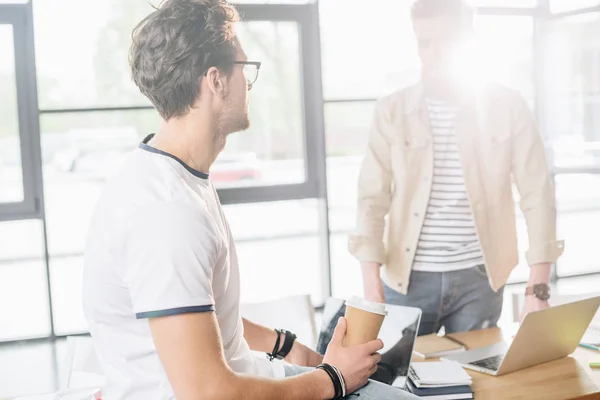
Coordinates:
<point>371,391</point>
<point>457,300</point>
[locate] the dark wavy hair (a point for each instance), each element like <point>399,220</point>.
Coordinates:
<point>175,45</point>
<point>460,10</point>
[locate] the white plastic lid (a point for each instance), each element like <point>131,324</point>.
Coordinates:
<point>362,304</point>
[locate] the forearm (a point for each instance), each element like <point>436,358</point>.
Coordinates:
<point>370,272</point>
<point>540,273</point>
<point>259,338</point>
<point>308,386</point>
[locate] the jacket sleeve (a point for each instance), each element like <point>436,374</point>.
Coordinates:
<point>374,192</point>
<point>534,181</point>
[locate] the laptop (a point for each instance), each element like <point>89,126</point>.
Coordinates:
<point>543,336</point>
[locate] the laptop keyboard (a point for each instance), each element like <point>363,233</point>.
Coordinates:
<point>492,363</point>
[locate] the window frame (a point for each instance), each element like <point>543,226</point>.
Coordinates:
<point>19,17</point>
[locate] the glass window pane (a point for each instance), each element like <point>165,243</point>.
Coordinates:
<point>346,126</point>
<point>23,287</point>
<point>573,84</point>
<point>11,173</point>
<point>66,274</point>
<point>558,6</point>
<point>83,62</point>
<point>272,151</point>
<point>382,57</point>
<point>346,276</point>
<point>578,201</point>
<point>277,242</point>
<point>378,58</point>
<point>505,51</point>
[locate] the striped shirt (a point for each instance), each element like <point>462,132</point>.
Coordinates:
<point>448,239</point>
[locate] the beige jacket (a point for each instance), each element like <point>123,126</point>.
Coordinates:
<point>498,144</point>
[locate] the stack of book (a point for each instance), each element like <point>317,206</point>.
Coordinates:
<point>443,380</point>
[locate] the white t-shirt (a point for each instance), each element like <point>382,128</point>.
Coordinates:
<point>158,245</point>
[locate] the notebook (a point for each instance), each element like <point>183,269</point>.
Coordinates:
<point>438,374</point>
<point>434,346</point>
<point>441,393</point>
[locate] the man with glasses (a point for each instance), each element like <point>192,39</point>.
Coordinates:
<point>161,284</point>
<point>441,160</point>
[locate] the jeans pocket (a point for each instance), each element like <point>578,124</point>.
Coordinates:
<point>481,271</point>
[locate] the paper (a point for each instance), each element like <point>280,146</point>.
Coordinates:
<point>439,373</point>
<point>73,394</point>
<point>592,335</point>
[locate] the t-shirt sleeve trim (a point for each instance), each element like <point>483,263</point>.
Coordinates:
<point>174,311</point>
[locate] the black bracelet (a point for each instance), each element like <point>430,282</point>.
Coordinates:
<point>288,342</point>
<point>342,380</point>
<point>337,385</point>
<point>272,355</point>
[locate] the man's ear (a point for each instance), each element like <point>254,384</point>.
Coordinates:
<point>215,81</point>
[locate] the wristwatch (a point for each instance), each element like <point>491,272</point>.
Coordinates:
<point>539,290</point>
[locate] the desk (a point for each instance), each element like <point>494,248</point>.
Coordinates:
<point>567,378</point>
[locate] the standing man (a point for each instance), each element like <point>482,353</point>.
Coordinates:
<point>440,164</point>
<point>161,285</point>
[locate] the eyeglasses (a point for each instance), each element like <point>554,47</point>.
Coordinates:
<point>251,69</point>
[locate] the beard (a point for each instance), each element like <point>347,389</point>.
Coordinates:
<point>234,117</point>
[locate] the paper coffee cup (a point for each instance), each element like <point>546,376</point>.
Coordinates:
<point>363,320</point>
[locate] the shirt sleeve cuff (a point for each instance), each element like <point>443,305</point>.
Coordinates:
<point>546,253</point>
<point>365,251</point>
<point>174,311</point>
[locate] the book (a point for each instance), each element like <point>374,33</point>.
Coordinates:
<point>441,393</point>
<point>438,374</point>
<point>434,346</point>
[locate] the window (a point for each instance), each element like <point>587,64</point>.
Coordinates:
<point>573,101</point>
<point>11,172</point>
<point>505,51</point>
<point>19,167</point>
<point>368,52</point>
<point>272,151</point>
<point>347,125</point>
<point>578,201</point>
<point>23,286</point>
<point>82,62</point>
<point>278,248</point>
<point>382,57</point>
<point>558,6</point>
